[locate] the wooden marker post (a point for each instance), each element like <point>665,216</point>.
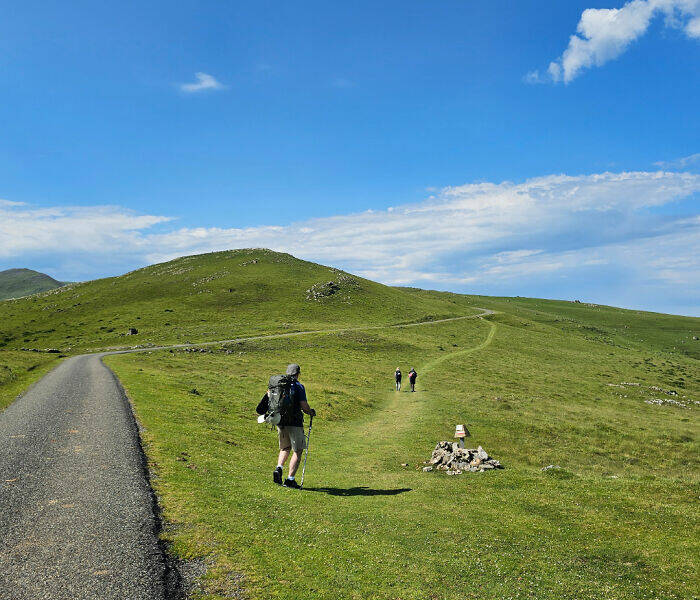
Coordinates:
<point>460,433</point>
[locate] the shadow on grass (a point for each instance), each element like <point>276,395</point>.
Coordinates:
<point>357,491</point>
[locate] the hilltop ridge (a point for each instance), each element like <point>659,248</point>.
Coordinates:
<point>208,297</point>
<point>16,283</point>
<point>234,293</point>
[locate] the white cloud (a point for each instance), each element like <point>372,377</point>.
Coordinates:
<point>67,230</point>
<point>680,163</point>
<point>603,34</point>
<point>500,237</point>
<point>535,77</point>
<point>204,82</point>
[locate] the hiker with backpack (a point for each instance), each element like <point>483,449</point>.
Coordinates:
<point>412,379</point>
<point>284,405</point>
<point>397,375</point>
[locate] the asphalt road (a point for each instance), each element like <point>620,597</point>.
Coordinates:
<point>77,516</point>
<point>77,513</point>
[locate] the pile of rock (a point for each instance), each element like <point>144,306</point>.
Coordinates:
<point>320,291</point>
<point>448,456</point>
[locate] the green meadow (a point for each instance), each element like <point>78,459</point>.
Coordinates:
<point>607,397</point>
<point>18,370</point>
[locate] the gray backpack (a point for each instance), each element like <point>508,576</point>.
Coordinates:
<point>280,398</point>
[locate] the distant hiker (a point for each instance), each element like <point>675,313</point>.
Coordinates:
<point>412,379</point>
<point>284,405</point>
<point>398,379</point>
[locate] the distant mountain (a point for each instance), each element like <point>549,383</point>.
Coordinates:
<point>15,283</point>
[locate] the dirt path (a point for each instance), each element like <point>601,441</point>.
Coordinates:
<point>395,417</point>
<point>484,312</point>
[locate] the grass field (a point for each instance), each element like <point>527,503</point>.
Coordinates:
<point>18,370</point>
<point>608,396</point>
<point>617,519</point>
<point>211,296</point>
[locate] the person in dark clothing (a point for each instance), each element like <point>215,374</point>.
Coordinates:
<point>291,431</point>
<point>397,374</point>
<point>412,379</point>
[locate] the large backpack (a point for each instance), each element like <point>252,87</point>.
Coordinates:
<point>280,398</point>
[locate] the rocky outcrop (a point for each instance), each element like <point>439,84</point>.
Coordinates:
<point>319,291</point>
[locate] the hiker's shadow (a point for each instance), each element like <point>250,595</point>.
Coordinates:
<point>357,491</point>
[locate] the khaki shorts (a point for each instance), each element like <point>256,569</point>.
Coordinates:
<point>292,436</point>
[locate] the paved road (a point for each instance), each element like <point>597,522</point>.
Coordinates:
<point>76,508</point>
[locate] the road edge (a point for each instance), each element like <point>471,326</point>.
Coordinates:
<point>169,573</point>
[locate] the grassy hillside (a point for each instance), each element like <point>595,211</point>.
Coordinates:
<point>212,296</point>
<point>15,283</point>
<point>608,397</point>
<point>18,370</point>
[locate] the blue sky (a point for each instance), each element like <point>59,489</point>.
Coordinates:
<point>497,153</point>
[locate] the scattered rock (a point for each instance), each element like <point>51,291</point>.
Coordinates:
<point>672,402</point>
<point>427,469</point>
<point>319,291</point>
<point>404,464</point>
<point>656,388</point>
<point>132,331</point>
<point>448,456</point>
<point>195,391</point>
<point>549,467</point>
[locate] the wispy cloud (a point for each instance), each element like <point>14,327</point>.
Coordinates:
<point>567,234</point>
<point>204,82</point>
<point>603,34</point>
<point>680,163</point>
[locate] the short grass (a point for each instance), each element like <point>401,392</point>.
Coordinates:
<point>617,519</point>
<point>18,370</point>
<point>539,383</point>
<point>214,296</point>
<point>15,283</point>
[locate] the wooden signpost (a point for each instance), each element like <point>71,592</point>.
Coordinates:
<point>460,433</point>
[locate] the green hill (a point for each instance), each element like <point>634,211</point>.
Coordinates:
<point>16,283</point>
<point>208,297</point>
<point>593,411</point>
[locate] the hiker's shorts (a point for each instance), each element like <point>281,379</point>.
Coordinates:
<point>292,436</point>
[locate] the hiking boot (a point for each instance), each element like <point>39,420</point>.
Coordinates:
<point>277,476</point>
<point>291,483</point>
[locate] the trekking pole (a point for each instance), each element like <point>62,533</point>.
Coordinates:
<point>308,439</point>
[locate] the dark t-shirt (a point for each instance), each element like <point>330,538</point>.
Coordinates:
<point>412,375</point>
<point>398,375</point>
<point>295,417</point>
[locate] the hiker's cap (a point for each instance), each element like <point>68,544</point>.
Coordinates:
<point>293,369</point>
